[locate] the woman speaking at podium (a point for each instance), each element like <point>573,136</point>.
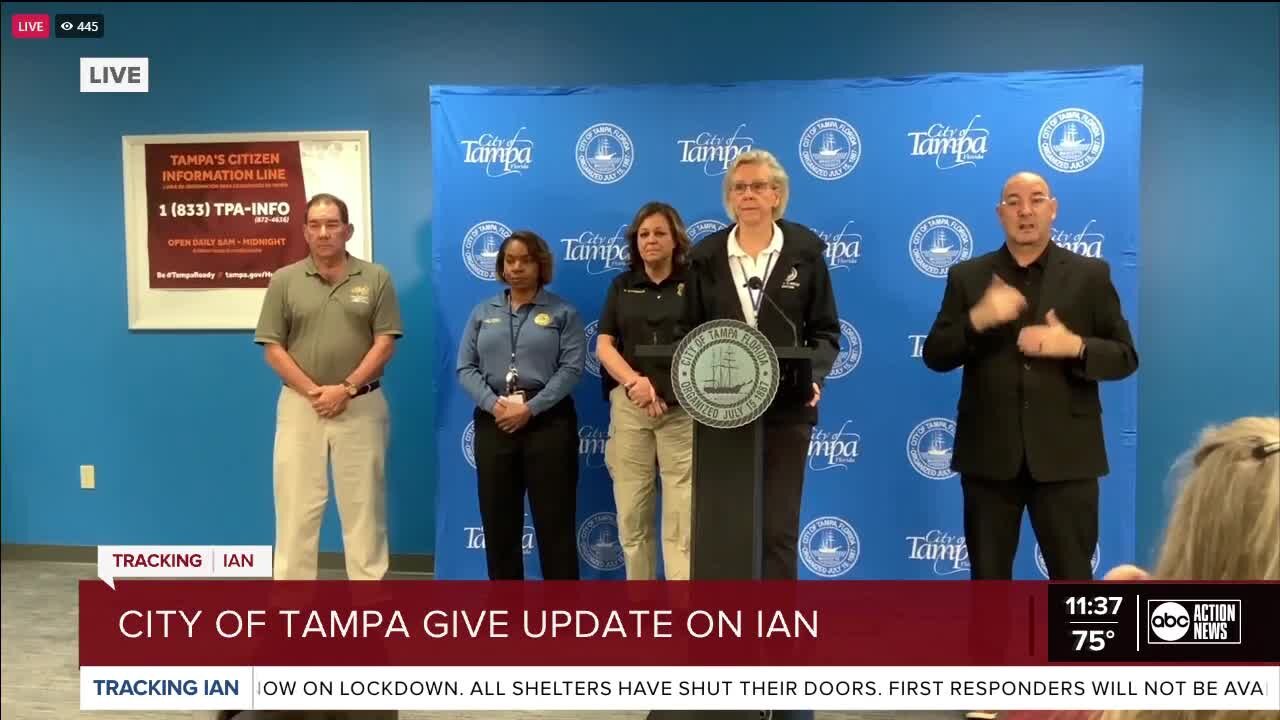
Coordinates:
<point>771,274</point>
<point>520,357</point>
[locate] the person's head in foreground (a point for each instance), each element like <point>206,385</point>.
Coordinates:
<point>1225,525</point>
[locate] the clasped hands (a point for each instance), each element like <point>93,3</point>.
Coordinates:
<point>1002,304</point>
<point>511,415</point>
<point>642,394</point>
<point>329,401</point>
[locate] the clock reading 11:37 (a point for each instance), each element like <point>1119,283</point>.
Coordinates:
<point>1100,606</point>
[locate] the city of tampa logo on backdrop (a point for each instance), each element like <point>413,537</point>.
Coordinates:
<point>833,449</point>
<point>593,332</point>
<point>591,445</point>
<point>947,553</point>
<point>598,544</point>
<point>951,147</point>
<point>598,253</point>
<point>1071,140</point>
<point>844,246</point>
<point>713,152</point>
<point>829,546</point>
<point>1087,242</point>
<point>917,344</point>
<point>475,537</point>
<point>1044,567</point>
<point>702,228</point>
<point>938,242</point>
<point>929,448</point>
<point>499,156</point>
<point>850,351</point>
<point>480,248</point>
<point>605,153</point>
<point>830,148</point>
<point>469,444</point>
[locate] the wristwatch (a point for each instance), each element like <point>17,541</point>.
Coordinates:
<point>351,389</point>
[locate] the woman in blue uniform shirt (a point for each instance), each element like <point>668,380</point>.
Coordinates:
<point>521,356</point>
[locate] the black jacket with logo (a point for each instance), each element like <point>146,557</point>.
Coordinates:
<point>800,284</point>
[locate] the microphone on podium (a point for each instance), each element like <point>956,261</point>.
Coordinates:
<point>756,283</point>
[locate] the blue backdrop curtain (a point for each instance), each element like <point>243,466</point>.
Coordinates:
<point>899,176</point>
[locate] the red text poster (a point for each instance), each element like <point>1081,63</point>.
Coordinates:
<point>223,215</point>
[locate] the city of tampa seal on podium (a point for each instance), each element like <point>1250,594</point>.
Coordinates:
<point>725,373</point>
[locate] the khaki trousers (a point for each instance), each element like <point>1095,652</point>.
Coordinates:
<point>635,440</point>
<point>356,442</point>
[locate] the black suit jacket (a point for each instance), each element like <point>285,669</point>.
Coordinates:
<point>1057,418</point>
<point>806,298</point>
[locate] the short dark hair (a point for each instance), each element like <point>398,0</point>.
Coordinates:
<point>680,236</point>
<point>326,198</point>
<point>537,248</point>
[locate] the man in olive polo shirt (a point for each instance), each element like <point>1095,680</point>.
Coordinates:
<point>329,324</point>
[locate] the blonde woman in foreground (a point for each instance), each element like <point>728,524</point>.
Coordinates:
<point>1225,525</point>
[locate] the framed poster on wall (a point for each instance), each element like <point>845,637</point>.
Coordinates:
<point>209,218</point>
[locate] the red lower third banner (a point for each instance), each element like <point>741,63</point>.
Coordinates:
<point>328,623</point>
<point>636,623</point>
<point>436,645</point>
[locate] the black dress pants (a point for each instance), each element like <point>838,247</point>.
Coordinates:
<point>786,448</point>
<point>541,459</point>
<point>1064,517</point>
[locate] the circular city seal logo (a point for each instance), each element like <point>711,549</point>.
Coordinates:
<point>850,351</point>
<point>469,443</point>
<point>703,228</point>
<point>939,242</point>
<point>1043,567</point>
<point>829,546</point>
<point>1071,140</point>
<point>598,542</point>
<point>725,373</point>
<point>929,448</point>
<point>830,149</point>
<point>592,332</point>
<point>604,153</point>
<point>480,247</point>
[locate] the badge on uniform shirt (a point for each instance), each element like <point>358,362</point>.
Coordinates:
<point>680,289</point>
<point>513,395</point>
<point>542,319</point>
<point>360,294</point>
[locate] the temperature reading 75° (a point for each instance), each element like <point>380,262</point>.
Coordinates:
<point>1094,639</point>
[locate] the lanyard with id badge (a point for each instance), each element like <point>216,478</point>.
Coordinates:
<point>752,284</point>
<point>514,396</point>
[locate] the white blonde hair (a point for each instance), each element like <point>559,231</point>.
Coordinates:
<point>1225,525</point>
<point>777,175</point>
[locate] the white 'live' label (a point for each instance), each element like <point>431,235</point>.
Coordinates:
<point>114,75</point>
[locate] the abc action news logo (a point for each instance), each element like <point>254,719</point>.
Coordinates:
<point>1194,622</point>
